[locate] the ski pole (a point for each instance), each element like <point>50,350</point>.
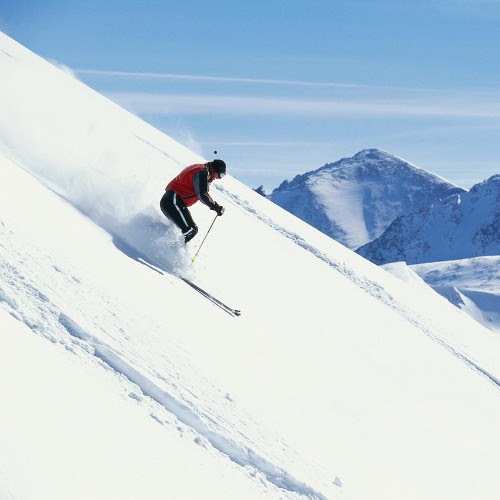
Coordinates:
<point>198,251</point>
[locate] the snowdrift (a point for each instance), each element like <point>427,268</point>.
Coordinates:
<point>118,380</point>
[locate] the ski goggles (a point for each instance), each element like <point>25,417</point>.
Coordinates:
<point>221,174</point>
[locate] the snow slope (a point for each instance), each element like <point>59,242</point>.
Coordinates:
<point>118,381</point>
<point>355,199</point>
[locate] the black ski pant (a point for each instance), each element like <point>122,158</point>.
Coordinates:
<point>173,207</point>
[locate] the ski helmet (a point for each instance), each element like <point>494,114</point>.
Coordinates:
<point>219,166</point>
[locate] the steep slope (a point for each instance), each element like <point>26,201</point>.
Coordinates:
<point>458,227</point>
<point>75,430</point>
<point>355,199</point>
<point>338,381</point>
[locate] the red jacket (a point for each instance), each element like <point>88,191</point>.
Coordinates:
<point>192,184</point>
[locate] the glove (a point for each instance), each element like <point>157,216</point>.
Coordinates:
<point>218,209</point>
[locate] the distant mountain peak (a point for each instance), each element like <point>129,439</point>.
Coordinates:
<point>355,199</point>
<point>374,154</point>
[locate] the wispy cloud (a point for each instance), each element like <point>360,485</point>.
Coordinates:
<point>348,99</point>
<point>149,103</point>
<point>240,80</point>
<point>220,79</point>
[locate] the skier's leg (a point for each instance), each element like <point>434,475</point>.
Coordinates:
<point>174,208</point>
<point>190,233</point>
<point>192,230</point>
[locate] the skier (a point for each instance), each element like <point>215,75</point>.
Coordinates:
<point>191,185</point>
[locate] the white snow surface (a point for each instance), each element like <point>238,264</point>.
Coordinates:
<point>118,381</point>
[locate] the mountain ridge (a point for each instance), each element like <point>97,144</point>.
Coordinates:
<point>353,200</point>
<point>460,226</point>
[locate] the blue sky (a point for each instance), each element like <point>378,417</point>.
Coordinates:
<point>281,87</point>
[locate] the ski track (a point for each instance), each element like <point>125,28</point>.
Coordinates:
<point>43,317</point>
<point>365,284</point>
<point>241,455</point>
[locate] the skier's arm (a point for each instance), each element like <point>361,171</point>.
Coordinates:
<point>200,182</point>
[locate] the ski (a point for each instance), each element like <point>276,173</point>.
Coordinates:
<point>217,302</point>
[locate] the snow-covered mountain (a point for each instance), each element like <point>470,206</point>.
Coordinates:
<point>119,381</point>
<point>411,215</point>
<point>355,199</point>
<point>473,285</point>
<point>460,226</point>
